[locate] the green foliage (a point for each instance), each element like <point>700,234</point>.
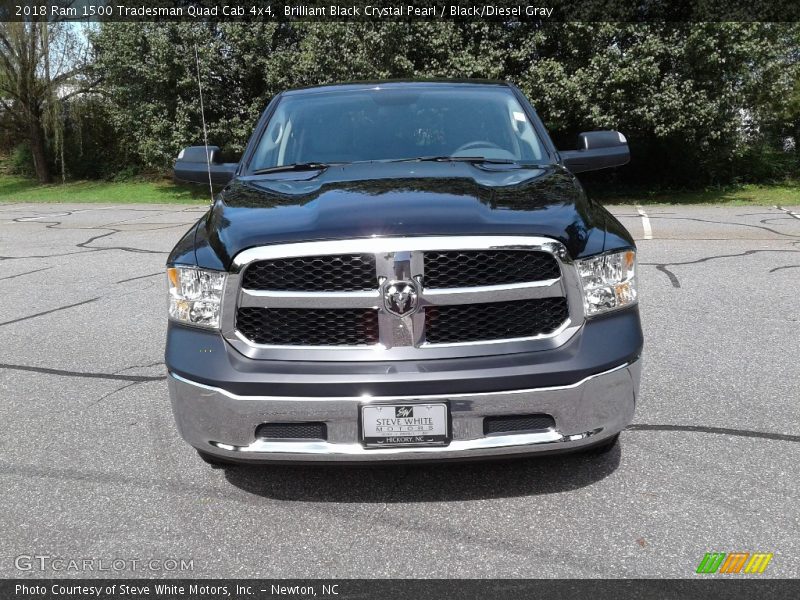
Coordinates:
<point>763,162</point>
<point>785,194</point>
<point>689,96</point>
<point>701,103</point>
<point>24,189</point>
<point>42,64</point>
<point>21,161</point>
<point>150,76</point>
<point>91,143</point>
<point>126,173</point>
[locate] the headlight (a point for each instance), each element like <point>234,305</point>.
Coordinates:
<point>609,281</point>
<point>195,295</point>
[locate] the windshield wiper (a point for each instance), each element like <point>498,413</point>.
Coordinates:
<point>317,166</point>
<point>469,159</point>
<point>449,159</point>
<point>308,166</point>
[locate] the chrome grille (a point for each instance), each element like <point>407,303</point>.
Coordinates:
<point>401,298</point>
<point>494,320</point>
<point>463,268</point>
<point>333,273</point>
<point>308,326</point>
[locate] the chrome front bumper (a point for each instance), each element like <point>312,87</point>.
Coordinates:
<point>589,411</point>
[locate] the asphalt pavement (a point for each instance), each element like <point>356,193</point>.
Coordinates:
<point>92,467</point>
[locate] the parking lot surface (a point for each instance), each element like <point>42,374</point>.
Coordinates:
<point>91,466</point>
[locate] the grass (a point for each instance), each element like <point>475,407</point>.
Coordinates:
<point>149,191</point>
<point>20,189</point>
<point>782,194</point>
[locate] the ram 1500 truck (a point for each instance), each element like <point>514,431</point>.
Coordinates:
<point>400,271</point>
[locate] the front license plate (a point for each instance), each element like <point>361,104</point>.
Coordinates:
<point>404,425</point>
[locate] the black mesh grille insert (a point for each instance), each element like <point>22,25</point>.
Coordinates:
<point>334,273</point>
<point>299,431</point>
<point>512,423</point>
<point>308,326</point>
<point>470,268</point>
<point>494,320</point>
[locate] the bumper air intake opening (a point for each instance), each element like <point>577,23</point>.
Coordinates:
<point>292,431</point>
<point>517,424</point>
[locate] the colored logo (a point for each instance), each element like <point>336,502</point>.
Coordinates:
<point>734,562</point>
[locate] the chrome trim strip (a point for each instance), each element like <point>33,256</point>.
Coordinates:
<point>549,288</point>
<point>407,331</point>
<point>378,245</point>
<point>403,338</point>
<point>308,349</point>
<point>497,442</point>
<point>280,299</point>
<point>544,336</point>
<point>419,399</point>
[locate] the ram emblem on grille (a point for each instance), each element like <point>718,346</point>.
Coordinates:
<point>400,297</point>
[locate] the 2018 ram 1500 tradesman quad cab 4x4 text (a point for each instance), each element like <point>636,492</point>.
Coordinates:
<point>401,271</point>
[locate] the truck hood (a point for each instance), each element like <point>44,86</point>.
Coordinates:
<point>399,199</point>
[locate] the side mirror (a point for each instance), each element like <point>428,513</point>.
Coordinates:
<point>193,166</point>
<point>597,150</point>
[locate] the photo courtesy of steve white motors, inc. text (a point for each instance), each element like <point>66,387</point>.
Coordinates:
<point>193,590</point>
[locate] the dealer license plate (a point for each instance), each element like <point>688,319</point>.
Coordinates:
<point>404,425</point>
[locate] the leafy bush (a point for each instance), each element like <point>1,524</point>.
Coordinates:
<point>126,173</point>
<point>764,162</point>
<point>92,146</point>
<point>21,161</point>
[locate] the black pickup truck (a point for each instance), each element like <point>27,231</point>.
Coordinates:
<point>402,271</point>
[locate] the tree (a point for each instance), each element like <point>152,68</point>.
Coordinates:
<point>695,99</point>
<point>150,77</point>
<point>687,95</point>
<point>42,65</point>
<point>150,80</point>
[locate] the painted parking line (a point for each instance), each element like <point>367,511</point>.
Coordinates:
<point>648,231</point>
<point>788,212</point>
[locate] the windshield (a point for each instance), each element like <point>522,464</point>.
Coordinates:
<point>397,123</point>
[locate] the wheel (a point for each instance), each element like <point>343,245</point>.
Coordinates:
<point>603,447</point>
<point>213,460</point>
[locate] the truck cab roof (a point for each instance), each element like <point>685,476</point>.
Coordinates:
<point>395,83</point>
